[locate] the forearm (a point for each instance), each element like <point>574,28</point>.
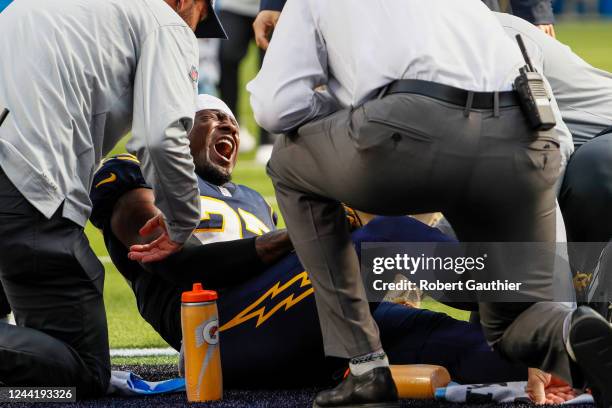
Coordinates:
<point>217,265</point>
<point>223,264</point>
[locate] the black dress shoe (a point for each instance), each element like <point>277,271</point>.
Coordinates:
<point>374,389</point>
<point>590,337</point>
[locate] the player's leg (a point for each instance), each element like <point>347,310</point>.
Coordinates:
<point>53,282</point>
<point>420,336</point>
<point>399,229</point>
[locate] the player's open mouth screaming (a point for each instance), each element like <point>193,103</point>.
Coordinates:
<point>225,147</point>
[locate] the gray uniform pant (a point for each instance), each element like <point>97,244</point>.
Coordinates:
<point>408,153</point>
<point>53,282</point>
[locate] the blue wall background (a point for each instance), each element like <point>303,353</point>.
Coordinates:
<point>604,7</point>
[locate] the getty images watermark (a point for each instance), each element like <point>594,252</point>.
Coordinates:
<point>485,272</point>
<point>406,264</point>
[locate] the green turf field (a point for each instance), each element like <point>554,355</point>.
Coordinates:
<point>592,40</point>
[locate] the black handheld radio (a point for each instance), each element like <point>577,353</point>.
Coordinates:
<point>3,115</point>
<point>533,95</point>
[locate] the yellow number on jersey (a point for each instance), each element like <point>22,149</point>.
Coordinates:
<point>252,223</point>
<point>231,227</point>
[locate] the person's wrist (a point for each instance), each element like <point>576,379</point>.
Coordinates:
<point>272,246</point>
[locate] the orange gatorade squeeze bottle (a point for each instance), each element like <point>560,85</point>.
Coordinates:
<point>200,323</point>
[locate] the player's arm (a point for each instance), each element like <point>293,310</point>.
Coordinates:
<point>217,265</point>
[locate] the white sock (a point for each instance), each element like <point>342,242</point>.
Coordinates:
<point>362,364</point>
<point>568,346</point>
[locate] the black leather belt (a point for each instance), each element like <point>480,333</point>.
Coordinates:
<point>456,96</point>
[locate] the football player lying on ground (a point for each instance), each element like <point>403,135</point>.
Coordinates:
<point>270,332</point>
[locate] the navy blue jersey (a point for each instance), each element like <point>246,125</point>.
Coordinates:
<point>116,176</point>
<point>228,212</point>
<point>232,212</point>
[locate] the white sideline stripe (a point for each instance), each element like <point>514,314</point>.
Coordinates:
<point>144,352</point>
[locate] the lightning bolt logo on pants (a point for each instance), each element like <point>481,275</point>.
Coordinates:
<point>258,310</point>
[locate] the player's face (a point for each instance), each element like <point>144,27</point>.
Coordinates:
<point>214,142</point>
<point>193,12</point>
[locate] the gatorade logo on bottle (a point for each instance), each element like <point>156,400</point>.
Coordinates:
<point>209,333</point>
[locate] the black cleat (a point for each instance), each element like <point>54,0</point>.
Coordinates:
<point>590,337</point>
<point>374,389</point>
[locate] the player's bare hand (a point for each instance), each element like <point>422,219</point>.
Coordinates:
<point>263,26</point>
<point>543,388</point>
<point>548,29</point>
<point>157,250</point>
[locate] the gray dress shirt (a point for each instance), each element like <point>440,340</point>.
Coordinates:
<point>76,76</point>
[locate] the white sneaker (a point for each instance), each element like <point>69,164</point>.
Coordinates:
<point>263,154</point>
<point>247,141</point>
